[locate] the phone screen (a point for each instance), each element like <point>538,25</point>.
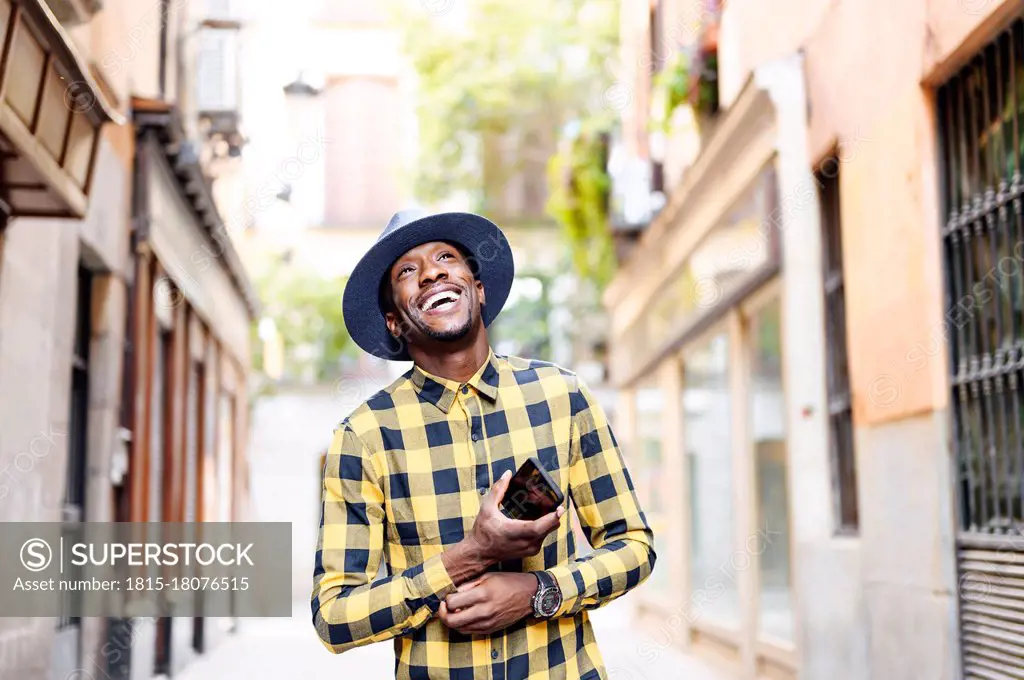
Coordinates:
<point>530,494</point>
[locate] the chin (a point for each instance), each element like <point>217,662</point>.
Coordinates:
<point>451,332</point>
<point>449,335</point>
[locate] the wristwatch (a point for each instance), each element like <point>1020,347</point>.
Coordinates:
<point>548,598</point>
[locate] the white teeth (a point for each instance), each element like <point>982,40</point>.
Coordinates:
<point>449,294</point>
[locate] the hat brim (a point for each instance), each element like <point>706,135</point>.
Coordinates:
<point>485,242</point>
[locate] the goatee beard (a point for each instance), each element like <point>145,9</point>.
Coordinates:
<point>450,335</point>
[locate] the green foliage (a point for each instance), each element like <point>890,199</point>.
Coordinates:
<point>494,92</point>
<point>686,79</point>
<point>673,86</point>
<point>580,187</point>
<point>306,310</point>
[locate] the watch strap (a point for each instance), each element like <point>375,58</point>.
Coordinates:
<point>545,580</point>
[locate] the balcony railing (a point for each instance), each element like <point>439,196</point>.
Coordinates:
<point>51,112</point>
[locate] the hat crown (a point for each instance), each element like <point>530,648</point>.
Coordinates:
<point>402,218</point>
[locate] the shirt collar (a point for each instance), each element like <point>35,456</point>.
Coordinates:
<point>441,392</point>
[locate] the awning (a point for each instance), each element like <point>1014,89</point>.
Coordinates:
<point>51,111</point>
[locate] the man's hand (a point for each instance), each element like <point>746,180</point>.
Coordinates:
<point>491,603</point>
<point>495,538</point>
<point>499,538</point>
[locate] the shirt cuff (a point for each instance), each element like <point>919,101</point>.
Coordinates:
<point>570,583</point>
<point>432,584</point>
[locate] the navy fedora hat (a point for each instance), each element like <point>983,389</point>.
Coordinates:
<point>482,239</point>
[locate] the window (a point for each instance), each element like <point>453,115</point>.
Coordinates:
<point>707,418</point>
<point>193,442</point>
<point>739,250</point>
<point>650,466</point>
<point>767,423</point>
<point>165,19</point>
<point>840,406</point>
<point>217,70</point>
<point>226,458</point>
<point>979,114</point>
<point>74,490</point>
<point>659,55</point>
<point>158,417</point>
<point>218,8</point>
<point>74,487</point>
<point>362,117</point>
<point>208,462</point>
<point>161,404</point>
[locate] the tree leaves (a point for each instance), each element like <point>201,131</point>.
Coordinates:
<point>306,310</point>
<point>515,70</point>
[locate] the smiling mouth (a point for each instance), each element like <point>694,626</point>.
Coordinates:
<point>441,302</point>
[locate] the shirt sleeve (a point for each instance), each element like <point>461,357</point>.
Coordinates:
<point>609,514</point>
<point>349,607</point>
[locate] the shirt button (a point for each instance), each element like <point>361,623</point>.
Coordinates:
<point>482,490</point>
<point>494,653</point>
<point>465,389</point>
<point>476,437</point>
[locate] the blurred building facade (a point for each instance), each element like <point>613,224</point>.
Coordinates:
<point>337,106</point>
<point>818,335</point>
<point>124,309</point>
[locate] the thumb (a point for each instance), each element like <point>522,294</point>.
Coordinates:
<point>500,487</point>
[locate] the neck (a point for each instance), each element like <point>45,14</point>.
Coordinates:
<point>454,361</point>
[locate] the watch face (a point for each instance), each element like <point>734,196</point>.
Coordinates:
<point>549,601</point>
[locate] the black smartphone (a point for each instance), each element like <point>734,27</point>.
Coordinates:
<point>531,493</point>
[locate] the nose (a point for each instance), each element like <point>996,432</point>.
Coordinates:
<point>431,271</point>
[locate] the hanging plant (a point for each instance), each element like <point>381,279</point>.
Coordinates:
<point>579,199</point>
<point>690,79</point>
<point>671,89</point>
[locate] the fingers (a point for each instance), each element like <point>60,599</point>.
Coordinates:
<point>497,491</point>
<point>470,619</point>
<point>546,524</point>
<point>536,529</point>
<point>469,585</point>
<point>466,621</point>
<point>461,600</point>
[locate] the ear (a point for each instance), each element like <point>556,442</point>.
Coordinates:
<point>393,326</point>
<point>482,293</point>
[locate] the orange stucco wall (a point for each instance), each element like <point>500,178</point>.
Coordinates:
<point>872,67</point>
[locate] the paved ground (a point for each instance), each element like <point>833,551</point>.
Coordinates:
<point>288,648</point>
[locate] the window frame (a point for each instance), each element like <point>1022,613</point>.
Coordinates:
<point>839,397</point>
<point>73,503</point>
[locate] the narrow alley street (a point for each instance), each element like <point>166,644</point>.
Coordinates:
<point>286,288</point>
<point>287,648</point>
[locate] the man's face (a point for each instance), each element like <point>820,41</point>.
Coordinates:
<point>433,294</point>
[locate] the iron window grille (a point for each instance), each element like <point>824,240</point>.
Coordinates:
<point>983,248</point>
<point>983,243</point>
<point>840,404</point>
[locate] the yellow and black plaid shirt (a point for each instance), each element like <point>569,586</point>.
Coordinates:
<point>403,479</point>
